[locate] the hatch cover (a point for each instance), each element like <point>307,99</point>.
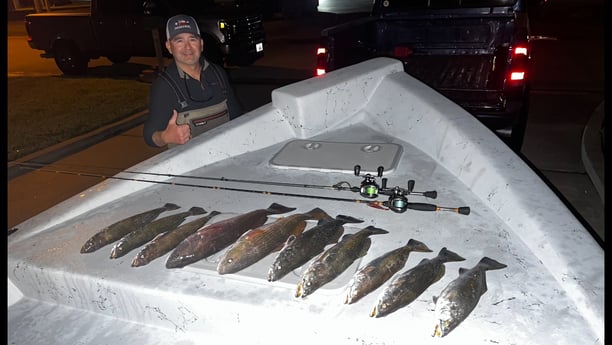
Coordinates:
<point>343,156</point>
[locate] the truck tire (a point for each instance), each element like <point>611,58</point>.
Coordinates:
<point>69,59</point>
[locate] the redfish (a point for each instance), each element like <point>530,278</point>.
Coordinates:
<point>216,236</point>
<point>258,243</point>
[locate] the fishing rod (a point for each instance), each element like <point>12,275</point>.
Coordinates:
<point>367,188</point>
<point>376,204</point>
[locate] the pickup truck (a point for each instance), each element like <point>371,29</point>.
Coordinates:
<point>121,29</point>
<point>475,52</point>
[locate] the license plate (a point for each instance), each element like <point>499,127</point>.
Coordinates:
<point>259,47</point>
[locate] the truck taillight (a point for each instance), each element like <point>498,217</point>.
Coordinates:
<point>518,64</point>
<point>321,61</point>
<point>402,51</point>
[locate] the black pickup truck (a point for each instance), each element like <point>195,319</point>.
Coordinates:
<point>120,29</point>
<point>475,52</point>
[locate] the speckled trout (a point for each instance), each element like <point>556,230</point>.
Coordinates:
<point>335,260</point>
<point>217,236</point>
<point>407,286</point>
<point>165,242</point>
<point>460,296</point>
<point>143,235</point>
<point>257,243</point>
<point>299,249</point>
<point>119,229</point>
<point>375,273</point>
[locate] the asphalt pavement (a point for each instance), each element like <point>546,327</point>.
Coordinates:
<point>46,178</point>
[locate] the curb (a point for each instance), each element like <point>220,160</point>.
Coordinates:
<point>592,150</point>
<point>58,151</point>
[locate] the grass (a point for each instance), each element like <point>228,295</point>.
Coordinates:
<point>44,111</point>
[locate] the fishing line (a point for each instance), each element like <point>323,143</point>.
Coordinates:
<point>338,186</point>
<point>375,204</point>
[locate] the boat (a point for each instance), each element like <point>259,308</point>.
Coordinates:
<point>367,141</point>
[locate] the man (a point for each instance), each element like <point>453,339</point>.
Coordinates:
<point>192,94</point>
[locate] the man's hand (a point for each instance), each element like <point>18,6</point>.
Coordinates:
<point>173,134</point>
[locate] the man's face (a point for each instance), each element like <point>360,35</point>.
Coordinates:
<point>186,48</point>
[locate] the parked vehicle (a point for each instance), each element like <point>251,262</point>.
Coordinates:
<point>477,53</point>
<point>121,29</point>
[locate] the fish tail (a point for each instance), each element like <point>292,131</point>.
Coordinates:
<point>348,219</point>
<point>213,214</point>
<point>196,210</point>
<point>417,246</point>
<point>489,264</point>
<point>318,213</point>
<point>372,230</point>
<point>171,206</point>
<point>448,255</point>
<point>275,208</point>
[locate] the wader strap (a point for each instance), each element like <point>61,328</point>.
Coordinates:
<point>181,98</point>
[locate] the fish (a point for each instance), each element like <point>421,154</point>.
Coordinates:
<point>257,243</point>
<point>374,274</point>
<point>143,235</point>
<point>217,236</point>
<point>407,286</point>
<point>460,296</point>
<point>119,229</point>
<point>299,249</point>
<point>165,242</point>
<point>335,260</point>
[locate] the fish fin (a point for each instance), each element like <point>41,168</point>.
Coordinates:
<point>462,270</point>
<point>278,208</point>
<point>196,210</point>
<point>435,299</point>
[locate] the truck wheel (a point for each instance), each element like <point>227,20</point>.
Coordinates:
<point>69,59</point>
<point>119,58</point>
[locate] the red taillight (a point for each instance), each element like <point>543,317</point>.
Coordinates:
<point>520,50</point>
<point>517,75</point>
<point>402,51</point>
<point>518,65</point>
<point>321,61</point>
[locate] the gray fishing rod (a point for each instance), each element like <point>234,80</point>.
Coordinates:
<point>366,189</point>
<point>385,205</point>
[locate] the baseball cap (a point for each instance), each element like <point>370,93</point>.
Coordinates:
<point>181,23</point>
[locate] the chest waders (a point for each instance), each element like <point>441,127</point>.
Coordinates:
<point>203,119</point>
